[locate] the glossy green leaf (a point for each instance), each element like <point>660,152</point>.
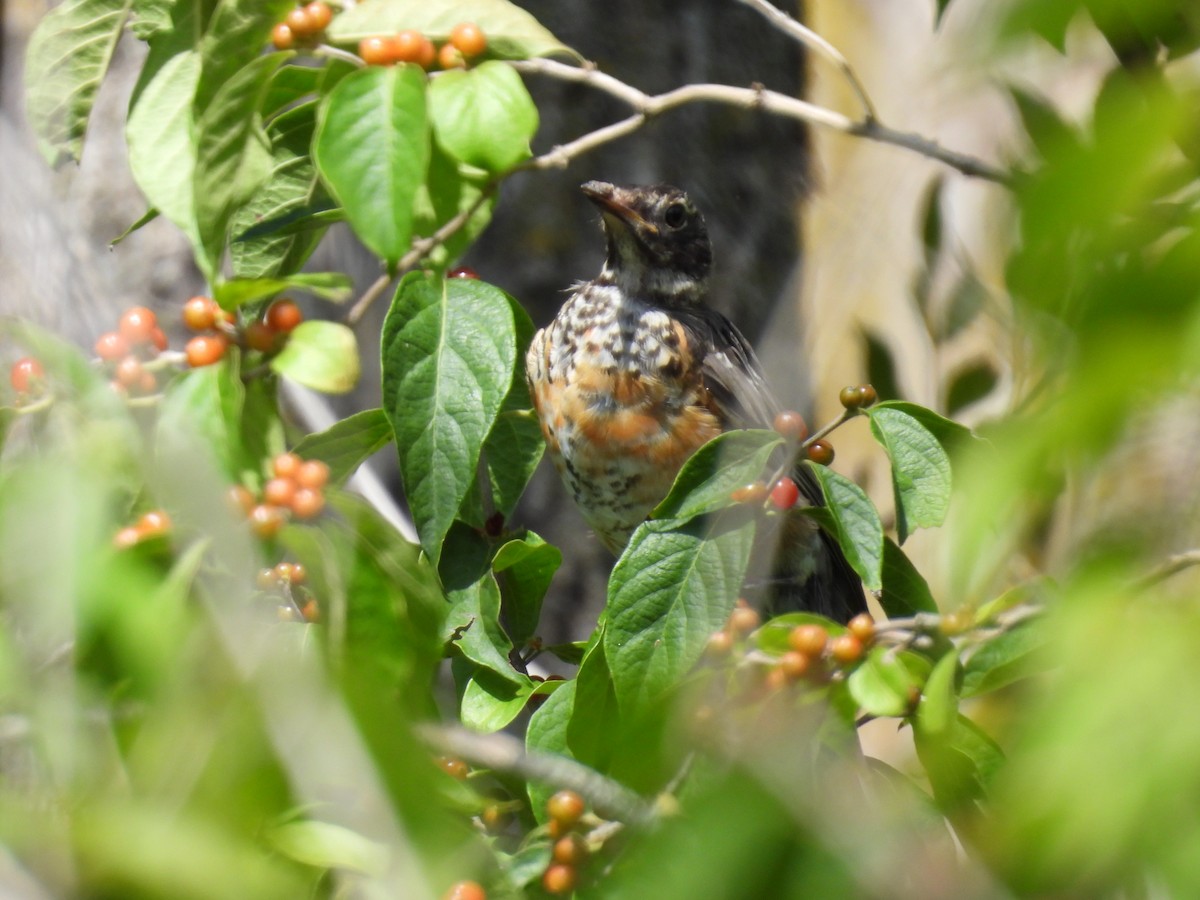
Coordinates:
<point>1008,657</point>
<point>524,569</point>
<point>332,286</point>
<point>473,623</point>
<point>950,434</point>
<point>939,703</point>
<point>596,721</point>
<point>490,702</point>
<point>888,682</point>
<point>372,150</point>
<point>151,17</point>
<point>905,591</point>
<point>852,518</point>
<point>328,846</point>
<point>236,35</point>
<point>233,154</point>
<point>320,355</point>
<point>206,403</point>
<point>724,464</point>
<point>674,585</point>
<point>920,469</point>
<point>292,187</point>
<point>347,444</point>
<point>448,356</point>
<point>547,733</point>
<point>162,150</point>
<point>67,56</point>
<point>483,116</point>
<point>511,31</point>
<point>451,189</point>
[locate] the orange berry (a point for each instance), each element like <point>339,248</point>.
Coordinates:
<point>128,372</point>
<point>283,316</point>
<point>266,580</point>
<point>26,375</point>
<point>846,649</point>
<point>808,640</point>
<point>205,349</point>
<point>468,38</point>
<point>266,520</point>
<point>307,503</point>
<point>292,573</point>
<point>137,325</point>
<point>158,338</point>
<point>465,890</point>
<point>127,537</point>
<point>794,665</point>
<point>428,54</point>
<point>286,465</point>
<point>319,14</point>
<point>240,499</point>
<point>259,336</point>
<point>570,850</point>
<point>110,346</point>
<point>154,522</point>
<point>407,46</point>
<point>279,491</point>
<point>455,768</point>
<point>862,627</point>
<point>375,51</point>
<point>743,620</point>
<point>791,425</point>
<point>775,679</point>
<point>820,452</point>
<point>755,492</point>
<point>559,879</point>
<point>310,611</point>
<point>300,22</point>
<point>200,313</point>
<point>313,473</point>
<point>282,37</point>
<point>718,645</point>
<point>450,57</point>
<point>565,807</point>
<point>147,384</point>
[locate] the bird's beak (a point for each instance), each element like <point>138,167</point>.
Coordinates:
<point>611,201</point>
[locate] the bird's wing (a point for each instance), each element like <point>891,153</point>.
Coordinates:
<point>730,370</point>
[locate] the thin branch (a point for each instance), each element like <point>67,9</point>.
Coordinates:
<point>814,41</point>
<point>647,106</point>
<point>505,753</point>
<point>1172,565</point>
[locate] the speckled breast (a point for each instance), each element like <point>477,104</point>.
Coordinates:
<point>621,403</point>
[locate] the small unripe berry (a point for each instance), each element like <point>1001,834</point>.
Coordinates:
<point>266,580</point>
<point>279,491</point>
<point>820,452</point>
<point>794,665</point>
<point>450,57</point>
<point>154,522</point>
<point>307,503</point>
<point>455,768</point>
<point>26,375</point>
<point>808,640</point>
<point>566,808</point>
<point>260,337</point>
<point>862,627</point>
<point>867,394</point>
<point>286,465</point>
<point>775,679</point>
<point>407,46</point>
<point>128,372</point>
<point>743,620</point>
<point>559,879</point>
<point>127,537</point>
<point>110,346</point>
<point>266,520</point>
<point>570,850</point>
<point>200,313</point>
<point>300,22</point>
<point>427,55</point>
<point>313,473</point>
<point>791,425</point>
<point>718,645</point>
<point>375,51</point>
<point>753,493</point>
<point>846,649</point>
<point>205,350</point>
<point>319,14</point>
<point>282,37</point>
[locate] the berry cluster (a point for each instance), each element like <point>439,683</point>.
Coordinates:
<point>153,524</point>
<point>28,378</point>
<point>856,396</point>
<point>570,850</point>
<point>303,25</point>
<point>467,41</point>
<point>202,314</point>
<point>268,333</point>
<point>285,581</point>
<point>811,650</point>
<point>126,351</point>
<point>743,620</point>
<point>296,488</point>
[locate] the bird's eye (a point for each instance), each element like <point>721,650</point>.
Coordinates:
<point>675,215</point>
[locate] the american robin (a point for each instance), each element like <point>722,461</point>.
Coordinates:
<point>635,373</point>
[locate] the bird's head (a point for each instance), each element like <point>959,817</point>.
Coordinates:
<point>658,243</point>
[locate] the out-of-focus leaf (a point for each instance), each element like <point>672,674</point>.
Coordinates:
<point>320,355</point>
<point>346,444</point>
<point>1004,659</point>
<point>905,591</point>
<point>711,474</point>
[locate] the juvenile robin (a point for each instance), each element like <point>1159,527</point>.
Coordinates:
<point>635,373</point>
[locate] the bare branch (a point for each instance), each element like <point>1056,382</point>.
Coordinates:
<point>1172,565</point>
<point>814,41</point>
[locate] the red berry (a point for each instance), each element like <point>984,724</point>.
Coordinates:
<point>559,879</point>
<point>200,313</point>
<point>259,336</point>
<point>785,493</point>
<point>27,374</point>
<point>279,491</point>
<point>465,890</point>
<point>450,57</point>
<point>300,22</point>
<point>282,37</point>
<point>862,627</point>
<point>791,425</point>
<point>462,272</point>
<point>319,14</point>
<point>820,452</point>
<point>407,46</point>
<point>129,372</point>
<point>312,473</point>
<point>846,649</point>
<point>205,349</point>
<point>809,640</point>
<point>455,768</point>
<point>137,325</point>
<point>110,346</point>
<point>566,808</point>
<point>286,465</point>
<point>468,38</point>
<point>755,492</point>
<point>375,51</point>
<point>159,339</point>
<point>570,850</point>
<point>283,316</point>
<point>307,503</point>
<point>266,520</point>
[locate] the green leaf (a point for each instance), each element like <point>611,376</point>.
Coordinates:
<point>291,188</point>
<point>512,32</point>
<point>971,384</point>
<point>724,464</point>
<point>960,763</point>
<point>328,846</point>
<point>143,220</point>
<point>483,116</point>
<point>473,624</point>
<point>941,11</point>
<point>448,357</point>
<point>674,585</point>
<point>206,403</point>
<point>451,188</point>
<point>939,702</point>
<point>347,444</point>
<point>851,517</point>
<point>888,682</point>
<point>65,61</point>
<point>547,733</point>
<point>920,469</point>
<point>372,150</point>
<point>490,702</point>
<point>237,292</point>
<point>236,34</point>
<point>1006,658</point>
<point>905,591</point>
<point>524,568</point>
<point>320,355</point>
<point>949,433</point>
<point>162,150</point>
<point>151,17</point>
<point>233,155</point>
